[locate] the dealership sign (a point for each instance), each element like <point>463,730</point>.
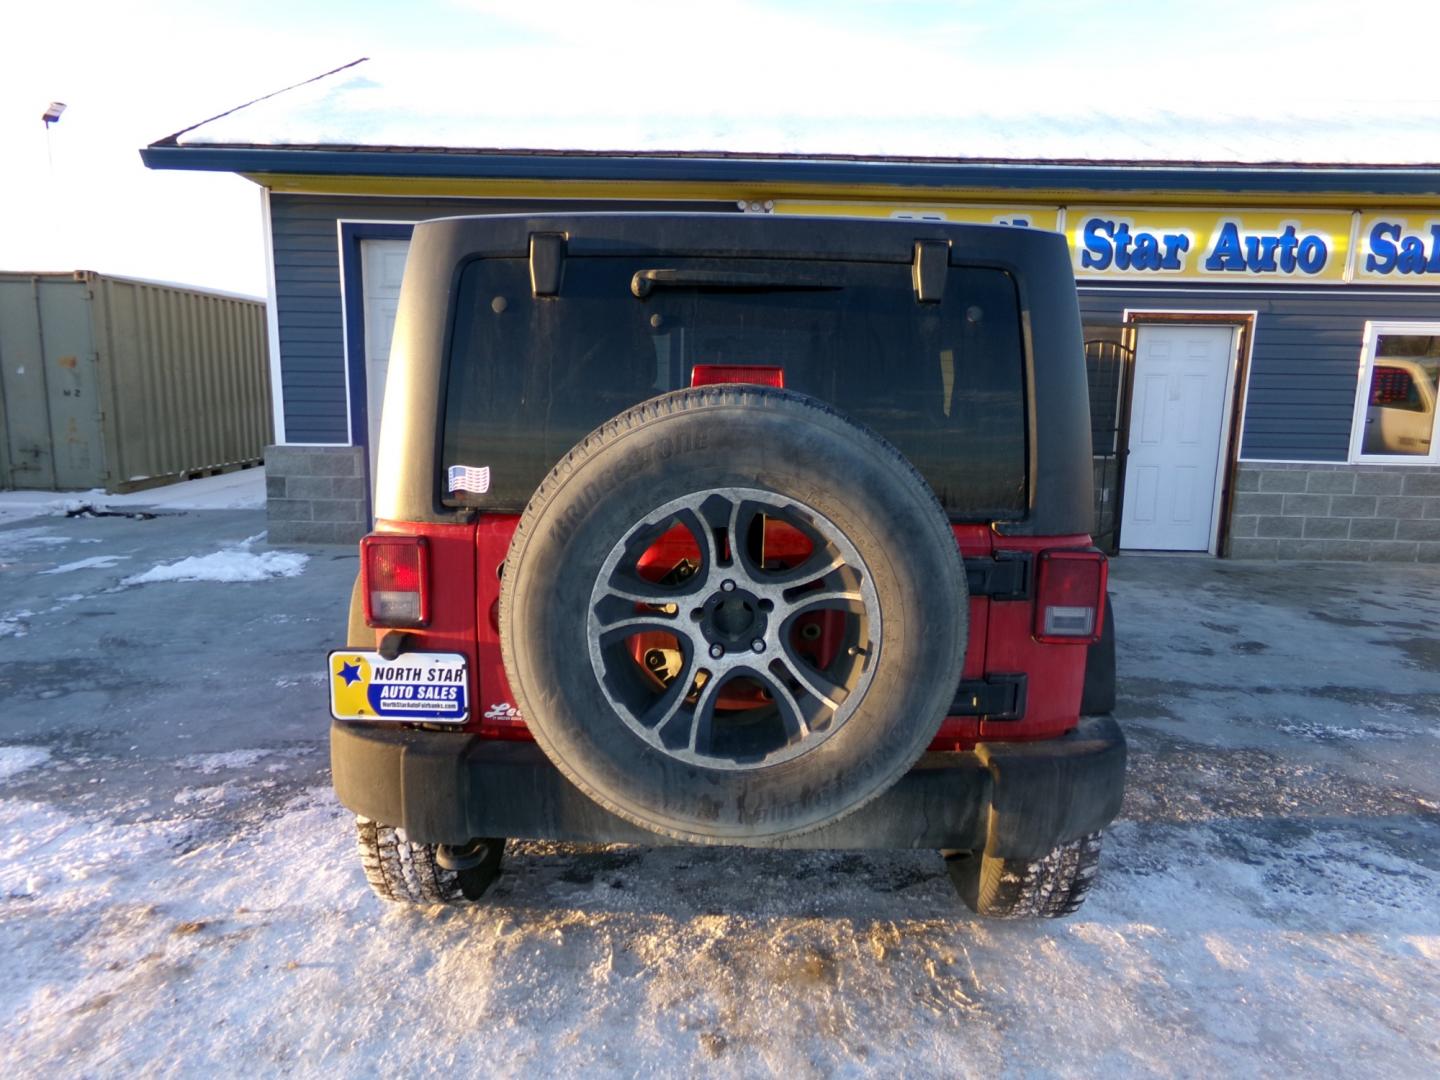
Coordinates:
<point>1324,247</point>
<point>1399,248</point>
<point>1110,242</point>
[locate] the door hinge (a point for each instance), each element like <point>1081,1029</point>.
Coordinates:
<point>932,259</point>
<point>547,263</point>
<point>1004,577</point>
<point>995,697</point>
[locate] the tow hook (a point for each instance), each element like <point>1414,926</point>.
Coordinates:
<point>466,857</point>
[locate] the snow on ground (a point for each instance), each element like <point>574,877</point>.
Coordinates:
<point>15,624</point>
<point>233,759</point>
<point>15,543</point>
<point>95,562</point>
<point>209,796</point>
<point>233,564</point>
<point>243,489</point>
<point>179,892</point>
<point>1322,732</point>
<point>24,505</point>
<point>177,946</point>
<point>16,759</point>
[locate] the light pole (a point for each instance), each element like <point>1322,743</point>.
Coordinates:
<point>51,115</point>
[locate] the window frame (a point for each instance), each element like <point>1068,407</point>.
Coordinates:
<point>1373,330</point>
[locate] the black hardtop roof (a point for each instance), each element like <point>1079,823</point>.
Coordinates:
<point>755,235</point>
<point>1059,470</point>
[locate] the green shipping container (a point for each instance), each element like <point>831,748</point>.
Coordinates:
<point>114,383</point>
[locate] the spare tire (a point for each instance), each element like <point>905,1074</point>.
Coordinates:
<point>732,615</point>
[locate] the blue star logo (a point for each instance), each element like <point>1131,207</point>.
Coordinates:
<point>349,672</point>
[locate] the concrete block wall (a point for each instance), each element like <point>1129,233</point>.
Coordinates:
<point>315,494</point>
<point>1355,512</point>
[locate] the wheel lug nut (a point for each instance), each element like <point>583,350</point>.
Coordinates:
<point>727,585</point>
<point>717,651</point>
<point>758,645</point>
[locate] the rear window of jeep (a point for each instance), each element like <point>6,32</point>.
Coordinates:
<point>530,377</point>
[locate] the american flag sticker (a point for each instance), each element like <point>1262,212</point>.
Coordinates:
<point>470,478</point>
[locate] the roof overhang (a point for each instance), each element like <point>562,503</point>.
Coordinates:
<point>787,172</point>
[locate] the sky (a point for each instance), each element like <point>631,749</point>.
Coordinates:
<point>648,73</point>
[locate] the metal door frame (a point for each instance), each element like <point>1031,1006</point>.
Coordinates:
<point>1232,415</point>
<point>1120,356</point>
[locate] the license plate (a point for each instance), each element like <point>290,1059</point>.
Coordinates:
<point>431,687</point>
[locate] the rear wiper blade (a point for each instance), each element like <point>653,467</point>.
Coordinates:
<point>647,281</point>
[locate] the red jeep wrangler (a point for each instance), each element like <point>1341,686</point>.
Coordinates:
<point>718,529</point>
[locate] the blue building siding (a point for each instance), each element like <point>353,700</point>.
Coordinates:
<point>305,239</point>
<point>1305,358</point>
<point>1303,366</point>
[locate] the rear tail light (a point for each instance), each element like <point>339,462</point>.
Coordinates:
<point>395,580</point>
<point>1070,597</point>
<point>712,374</point>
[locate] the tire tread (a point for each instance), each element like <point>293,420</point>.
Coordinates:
<point>401,871</point>
<point>642,415</point>
<point>1049,887</point>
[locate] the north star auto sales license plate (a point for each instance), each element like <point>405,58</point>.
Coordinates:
<point>429,687</point>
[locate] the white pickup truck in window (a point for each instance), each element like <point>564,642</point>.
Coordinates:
<point>1401,415</point>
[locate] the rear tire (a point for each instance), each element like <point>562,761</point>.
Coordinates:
<point>402,871</point>
<point>713,461</point>
<point>1046,888</point>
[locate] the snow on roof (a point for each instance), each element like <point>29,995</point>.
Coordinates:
<point>395,105</point>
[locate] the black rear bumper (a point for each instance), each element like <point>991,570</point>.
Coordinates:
<point>1015,800</point>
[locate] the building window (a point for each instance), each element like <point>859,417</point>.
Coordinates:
<point>1395,400</point>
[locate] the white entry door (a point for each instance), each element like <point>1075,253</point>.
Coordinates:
<point>382,267</point>
<point>1177,426</point>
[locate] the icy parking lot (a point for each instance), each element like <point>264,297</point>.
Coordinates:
<point>179,891</point>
